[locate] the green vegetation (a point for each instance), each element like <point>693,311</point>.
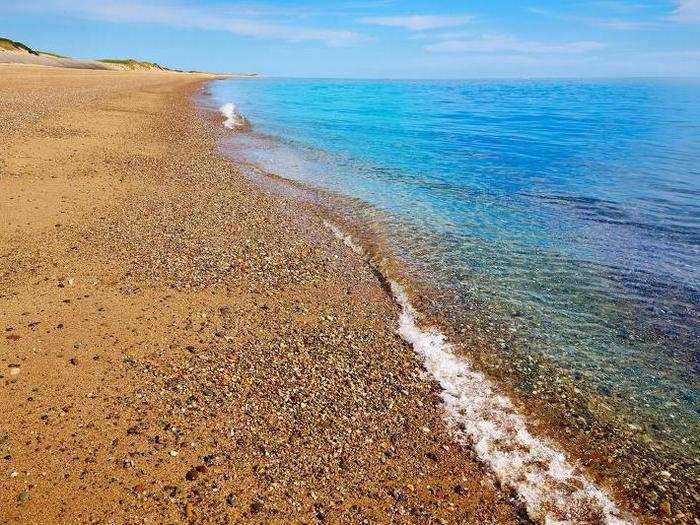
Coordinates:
<point>130,63</point>
<point>51,54</point>
<point>11,45</point>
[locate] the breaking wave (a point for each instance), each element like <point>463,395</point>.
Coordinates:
<point>479,416</point>
<point>234,120</point>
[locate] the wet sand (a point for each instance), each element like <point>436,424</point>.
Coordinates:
<point>179,346</point>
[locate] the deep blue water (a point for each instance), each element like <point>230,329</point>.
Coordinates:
<point>571,207</point>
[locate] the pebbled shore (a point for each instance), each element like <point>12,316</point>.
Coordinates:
<point>179,346</point>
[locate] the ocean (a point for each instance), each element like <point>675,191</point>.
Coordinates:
<point>561,215</point>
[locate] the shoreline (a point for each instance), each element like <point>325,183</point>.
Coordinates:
<point>222,320</point>
<point>179,346</point>
<point>653,481</point>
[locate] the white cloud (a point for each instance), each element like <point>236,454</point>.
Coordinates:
<point>418,22</point>
<point>619,23</point>
<point>240,20</point>
<point>624,24</point>
<point>688,11</point>
<point>510,44</point>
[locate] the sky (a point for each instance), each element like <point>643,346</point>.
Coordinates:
<point>373,38</point>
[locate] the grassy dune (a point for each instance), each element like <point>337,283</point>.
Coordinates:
<point>132,64</point>
<point>10,45</point>
<point>128,64</point>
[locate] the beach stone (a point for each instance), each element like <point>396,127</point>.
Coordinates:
<point>24,496</point>
<point>256,506</point>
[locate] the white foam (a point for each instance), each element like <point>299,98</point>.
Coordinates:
<point>347,240</point>
<point>233,118</point>
<point>481,417</point>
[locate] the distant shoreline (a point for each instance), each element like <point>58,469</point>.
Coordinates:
<point>12,52</point>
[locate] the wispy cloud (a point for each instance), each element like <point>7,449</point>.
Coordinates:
<point>687,11</point>
<point>624,24</point>
<point>243,20</point>
<point>619,6</point>
<point>418,22</point>
<point>510,44</point>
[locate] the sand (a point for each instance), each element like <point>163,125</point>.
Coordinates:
<point>13,57</point>
<point>179,346</point>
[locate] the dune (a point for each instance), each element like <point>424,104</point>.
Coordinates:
<point>13,52</point>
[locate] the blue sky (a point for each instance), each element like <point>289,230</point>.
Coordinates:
<point>374,38</point>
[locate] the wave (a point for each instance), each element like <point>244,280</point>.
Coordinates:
<point>479,416</point>
<point>234,120</point>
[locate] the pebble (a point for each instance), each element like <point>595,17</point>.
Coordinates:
<point>194,473</point>
<point>256,506</point>
<point>248,382</point>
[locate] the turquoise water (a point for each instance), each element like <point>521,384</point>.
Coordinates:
<point>569,209</point>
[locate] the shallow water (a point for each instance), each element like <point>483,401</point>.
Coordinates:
<point>570,208</point>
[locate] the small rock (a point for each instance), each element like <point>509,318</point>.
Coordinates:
<point>231,500</point>
<point>173,453</point>
<point>24,496</point>
<point>256,506</point>
<point>171,490</point>
<point>320,512</point>
<point>665,507</point>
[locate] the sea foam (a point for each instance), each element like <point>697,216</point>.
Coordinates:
<point>234,120</point>
<point>479,416</point>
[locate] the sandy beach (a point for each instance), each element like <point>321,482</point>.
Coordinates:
<point>179,346</point>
